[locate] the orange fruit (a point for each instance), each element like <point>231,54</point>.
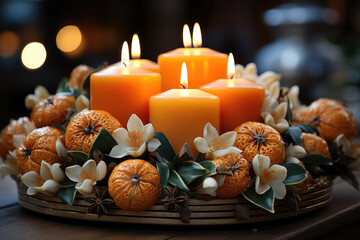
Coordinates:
<point>258,138</point>
<point>304,184</point>
<point>330,117</point>
<point>314,145</point>
<point>239,180</point>
<point>77,76</point>
<point>52,110</point>
<point>39,145</point>
<point>85,126</point>
<point>134,185</point>
<point>15,127</point>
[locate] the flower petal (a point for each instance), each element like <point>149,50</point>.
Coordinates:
<point>136,152</point>
<point>121,136</point>
<point>88,170</point>
<point>201,145</point>
<point>211,135</point>
<point>118,151</point>
<point>341,140</point>
<point>149,132</point>
<point>45,171</point>
<point>86,187</point>
<point>228,139</point>
<point>281,110</point>
<point>30,178</point>
<point>31,191</point>
<point>279,190</point>
<point>228,150</point>
<point>101,170</point>
<point>292,160</point>
<point>57,173</point>
<point>50,187</point>
<point>18,140</point>
<point>73,173</point>
<point>153,144</point>
<point>209,186</point>
<point>135,124</point>
<point>259,187</point>
<point>260,163</point>
<point>279,174</point>
<point>60,149</point>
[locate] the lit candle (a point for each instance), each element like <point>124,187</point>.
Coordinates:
<point>123,90</point>
<point>136,62</point>
<point>204,65</point>
<point>181,114</point>
<point>240,99</point>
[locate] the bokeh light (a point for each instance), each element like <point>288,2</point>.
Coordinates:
<point>9,43</point>
<point>33,55</point>
<point>68,38</point>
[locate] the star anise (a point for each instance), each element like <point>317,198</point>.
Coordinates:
<point>175,199</point>
<point>100,201</point>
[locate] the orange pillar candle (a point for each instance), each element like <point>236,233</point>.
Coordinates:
<point>136,62</point>
<point>123,91</point>
<point>181,114</point>
<point>240,99</point>
<point>204,65</point>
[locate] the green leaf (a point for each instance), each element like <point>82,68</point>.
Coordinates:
<point>67,184</point>
<point>165,150</point>
<point>58,126</point>
<point>317,159</point>
<point>63,86</point>
<point>67,195</point>
<point>308,128</point>
<point>104,142</point>
<point>295,134</point>
<point>295,174</point>
<point>211,167</point>
<point>176,180</point>
<point>190,171</point>
<point>199,158</point>
<point>264,201</point>
<point>349,177</point>
<point>86,81</point>
<point>164,173</point>
<point>80,157</point>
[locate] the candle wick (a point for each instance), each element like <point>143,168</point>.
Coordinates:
<point>124,64</point>
<point>182,86</point>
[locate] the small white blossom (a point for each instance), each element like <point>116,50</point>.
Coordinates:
<point>274,114</point>
<point>249,72</point>
<point>82,103</point>
<point>209,187</point>
<point>40,93</point>
<point>293,153</point>
<point>8,167</point>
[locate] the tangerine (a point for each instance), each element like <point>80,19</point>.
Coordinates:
<point>53,110</point>
<point>134,185</point>
<point>85,126</point>
<point>238,179</point>
<point>15,127</point>
<point>330,117</point>
<point>39,145</point>
<point>314,145</point>
<point>258,138</point>
<point>77,76</point>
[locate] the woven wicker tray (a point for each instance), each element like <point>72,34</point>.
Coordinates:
<point>213,212</point>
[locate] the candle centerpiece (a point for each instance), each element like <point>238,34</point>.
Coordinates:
<point>204,64</point>
<point>124,90</point>
<point>136,61</point>
<point>181,114</point>
<point>240,99</point>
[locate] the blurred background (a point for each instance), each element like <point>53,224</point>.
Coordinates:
<point>314,44</point>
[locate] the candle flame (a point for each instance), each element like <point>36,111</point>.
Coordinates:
<point>197,40</point>
<point>135,47</point>
<point>231,66</point>
<point>184,76</point>
<point>186,36</point>
<point>125,53</point>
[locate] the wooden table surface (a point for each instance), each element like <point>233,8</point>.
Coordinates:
<point>340,220</point>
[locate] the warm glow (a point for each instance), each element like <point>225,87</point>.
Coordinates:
<point>135,47</point>
<point>125,53</point>
<point>197,40</point>
<point>9,43</point>
<point>186,36</point>
<point>184,76</point>
<point>33,55</point>
<point>231,66</point>
<point>68,38</point>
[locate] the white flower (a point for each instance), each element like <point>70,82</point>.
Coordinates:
<point>293,153</point>
<point>249,72</point>
<point>350,150</point>
<point>87,175</point>
<point>40,93</point>
<point>209,187</point>
<point>269,177</point>
<point>47,182</point>
<point>82,103</point>
<point>271,82</point>
<point>28,127</point>
<point>213,145</point>
<point>133,141</point>
<point>9,166</point>
<point>344,143</point>
<point>274,114</point>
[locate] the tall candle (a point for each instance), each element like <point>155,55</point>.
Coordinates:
<point>204,65</point>
<point>240,99</point>
<point>181,114</point>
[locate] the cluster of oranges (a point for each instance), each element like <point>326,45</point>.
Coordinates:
<point>135,184</point>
